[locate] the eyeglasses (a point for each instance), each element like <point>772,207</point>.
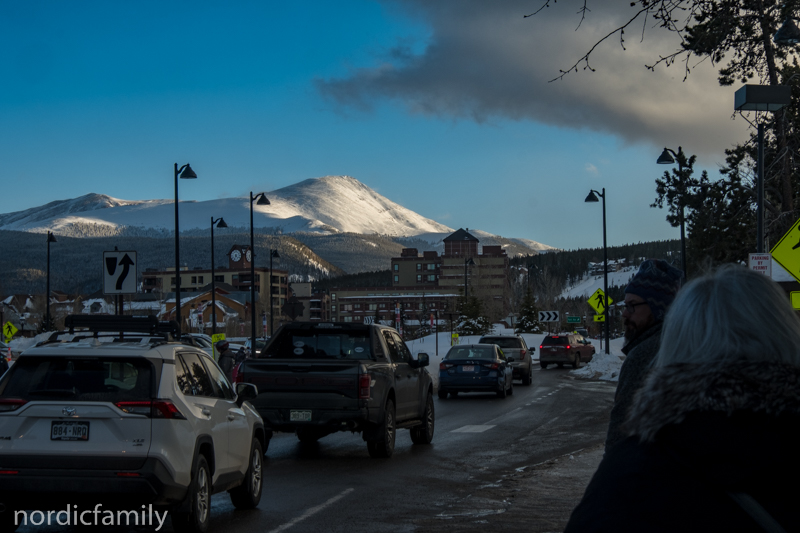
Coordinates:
<point>631,308</point>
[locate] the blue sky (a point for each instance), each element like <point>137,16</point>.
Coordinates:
<point>443,107</point>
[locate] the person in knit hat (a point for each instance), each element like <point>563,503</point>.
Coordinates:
<point>647,297</point>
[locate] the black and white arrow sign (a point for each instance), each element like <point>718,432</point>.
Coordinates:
<point>548,316</point>
<point>119,272</point>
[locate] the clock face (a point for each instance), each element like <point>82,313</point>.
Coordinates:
<point>248,255</point>
<point>236,255</point>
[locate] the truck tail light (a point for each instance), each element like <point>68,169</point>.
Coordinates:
<point>11,404</point>
<point>152,409</point>
<point>364,381</point>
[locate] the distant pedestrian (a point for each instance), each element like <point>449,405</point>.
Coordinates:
<point>712,437</point>
<point>226,358</point>
<point>647,297</point>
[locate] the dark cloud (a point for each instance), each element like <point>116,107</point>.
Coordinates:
<point>484,60</point>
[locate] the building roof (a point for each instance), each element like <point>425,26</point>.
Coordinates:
<point>460,235</point>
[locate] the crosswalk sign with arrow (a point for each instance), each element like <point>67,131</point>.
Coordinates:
<point>119,272</point>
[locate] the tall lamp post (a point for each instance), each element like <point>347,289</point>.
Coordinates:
<point>666,158</point>
<point>184,172</point>
<point>467,262</point>
<point>48,319</point>
<point>260,199</point>
<point>276,255</point>
<point>593,198</point>
<point>220,223</point>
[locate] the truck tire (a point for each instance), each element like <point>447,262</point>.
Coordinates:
<point>423,434</point>
<point>248,494</point>
<point>197,518</point>
<point>383,446</point>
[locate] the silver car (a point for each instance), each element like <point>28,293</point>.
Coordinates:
<point>515,346</point>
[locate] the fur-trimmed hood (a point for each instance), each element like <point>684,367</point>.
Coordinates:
<point>670,393</point>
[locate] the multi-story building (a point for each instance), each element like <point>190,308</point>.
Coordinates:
<point>237,275</point>
<point>316,305</point>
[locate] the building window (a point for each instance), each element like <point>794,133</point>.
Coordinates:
<point>396,267</point>
<point>333,296</point>
<point>221,279</point>
<point>383,306</point>
<point>431,266</point>
<point>356,306</point>
<point>194,279</point>
<point>333,309</point>
<point>397,279</point>
<point>431,277</point>
<point>173,281</point>
<point>419,278</point>
<point>200,280</point>
<point>419,266</point>
<point>348,319</point>
<point>373,307</point>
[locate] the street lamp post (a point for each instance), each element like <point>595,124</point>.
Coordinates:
<point>593,198</point>
<point>260,199</point>
<point>220,223</point>
<point>48,320</point>
<point>467,262</point>
<point>276,255</point>
<point>666,158</point>
<point>184,172</point>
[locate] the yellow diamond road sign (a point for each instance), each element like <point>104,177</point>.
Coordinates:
<point>596,301</point>
<point>9,330</point>
<point>787,252</point>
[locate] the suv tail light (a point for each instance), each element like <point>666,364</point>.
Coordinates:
<point>491,366</point>
<point>153,409</point>
<point>364,381</point>
<point>11,404</point>
<point>445,366</point>
<point>567,347</point>
<point>522,354</point>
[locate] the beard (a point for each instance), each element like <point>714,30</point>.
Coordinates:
<point>633,330</point>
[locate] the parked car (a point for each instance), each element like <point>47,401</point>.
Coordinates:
<point>476,368</point>
<point>260,343</point>
<point>320,378</point>
<point>583,332</point>
<point>565,348</point>
<point>140,420</point>
<point>514,346</point>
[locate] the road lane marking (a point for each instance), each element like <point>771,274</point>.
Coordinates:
<point>312,511</point>
<point>472,429</point>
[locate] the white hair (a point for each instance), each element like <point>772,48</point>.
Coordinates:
<point>731,313</point>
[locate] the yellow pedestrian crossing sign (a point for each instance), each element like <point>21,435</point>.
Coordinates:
<point>599,318</point>
<point>596,301</point>
<point>9,330</point>
<point>787,252</point>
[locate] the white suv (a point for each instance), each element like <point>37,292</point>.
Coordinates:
<point>135,421</point>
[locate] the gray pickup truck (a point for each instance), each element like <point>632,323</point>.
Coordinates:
<point>315,379</point>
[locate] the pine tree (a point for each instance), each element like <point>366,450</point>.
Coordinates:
<point>472,320</point>
<point>529,316</point>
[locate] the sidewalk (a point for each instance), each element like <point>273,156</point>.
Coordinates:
<point>537,499</point>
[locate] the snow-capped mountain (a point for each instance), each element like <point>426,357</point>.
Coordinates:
<point>325,206</point>
<point>332,204</point>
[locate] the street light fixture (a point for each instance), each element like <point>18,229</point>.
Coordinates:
<point>593,198</point>
<point>467,262</point>
<point>48,325</point>
<point>260,199</point>
<point>276,255</point>
<point>220,223</point>
<point>184,172</point>
<point>666,159</point>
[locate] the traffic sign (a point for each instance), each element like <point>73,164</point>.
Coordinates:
<point>9,330</point>
<point>599,318</point>
<point>794,296</point>
<point>573,320</point>
<point>549,316</point>
<point>787,252</point>
<point>119,272</point>
<point>761,263</point>
<point>596,301</point>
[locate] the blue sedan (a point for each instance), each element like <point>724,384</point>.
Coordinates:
<point>476,368</point>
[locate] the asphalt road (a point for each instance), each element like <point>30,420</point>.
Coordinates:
<point>480,471</point>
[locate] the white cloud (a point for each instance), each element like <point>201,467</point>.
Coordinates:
<point>591,169</point>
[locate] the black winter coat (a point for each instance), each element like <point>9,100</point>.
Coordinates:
<point>699,432</point>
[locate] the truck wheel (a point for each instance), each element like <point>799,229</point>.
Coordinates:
<point>383,446</point>
<point>196,519</point>
<point>423,434</point>
<point>442,394</point>
<point>248,494</point>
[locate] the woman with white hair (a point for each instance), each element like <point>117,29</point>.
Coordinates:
<point>714,434</point>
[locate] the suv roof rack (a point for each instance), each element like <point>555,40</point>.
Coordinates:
<point>118,325</point>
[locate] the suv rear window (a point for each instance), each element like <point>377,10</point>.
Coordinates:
<point>555,341</point>
<point>100,379</point>
<point>321,343</point>
<point>503,342</point>
<point>470,352</point>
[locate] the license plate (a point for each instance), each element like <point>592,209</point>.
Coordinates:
<point>299,416</point>
<point>468,368</point>
<point>69,430</point>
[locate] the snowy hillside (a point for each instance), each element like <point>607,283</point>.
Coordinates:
<point>589,284</point>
